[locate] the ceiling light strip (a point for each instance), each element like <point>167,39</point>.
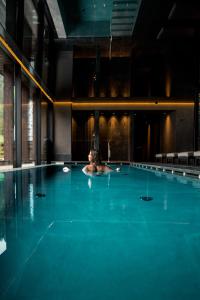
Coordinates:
<point>8,48</point>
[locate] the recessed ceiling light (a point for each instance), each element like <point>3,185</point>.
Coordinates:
<point>104,5</point>
<point>94,5</point>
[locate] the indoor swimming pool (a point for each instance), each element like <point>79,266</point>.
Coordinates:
<point>133,234</point>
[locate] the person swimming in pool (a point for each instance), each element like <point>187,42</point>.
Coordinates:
<point>95,165</point>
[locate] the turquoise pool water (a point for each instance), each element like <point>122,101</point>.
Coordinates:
<point>69,236</point>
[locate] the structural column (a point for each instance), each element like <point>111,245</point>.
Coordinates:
<point>96,130</point>
<point>8,114</point>
<point>50,133</point>
<point>62,131</point>
<point>17,118</point>
<point>197,94</point>
<point>196,119</point>
<point>40,38</point>
<point>15,20</point>
<point>37,122</point>
<point>132,137</point>
<point>39,70</point>
<point>14,26</point>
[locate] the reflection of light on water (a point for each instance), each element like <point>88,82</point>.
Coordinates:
<point>3,246</point>
<point>196,184</point>
<point>31,203</point>
<point>89,183</point>
<point>108,180</point>
<point>159,174</point>
<point>182,180</point>
<point>15,191</point>
<point>123,206</point>
<point>2,177</point>
<point>111,205</point>
<point>165,202</point>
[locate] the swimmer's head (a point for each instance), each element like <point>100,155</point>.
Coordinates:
<point>93,157</point>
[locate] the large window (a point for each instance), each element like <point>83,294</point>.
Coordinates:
<point>6,110</point>
<point>3,13</point>
<point>44,132</point>
<point>31,22</point>
<point>20,140</point>
<point>45,69</point>
<point>1,118</point>
<point>28,126</point>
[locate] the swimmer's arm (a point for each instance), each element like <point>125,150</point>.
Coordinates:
<point>109,169</point>
<point>87,172</point>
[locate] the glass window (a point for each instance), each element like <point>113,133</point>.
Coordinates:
<point>44,133</point>
<point>3,13</point>
<point>30,44</point>
<point>6,110</point>
<point>28,111</point>
<point>46,53</point>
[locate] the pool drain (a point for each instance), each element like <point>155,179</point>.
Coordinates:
<point>146,198</point>
<point>40,195</point>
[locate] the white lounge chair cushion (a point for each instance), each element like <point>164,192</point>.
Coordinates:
<point>171,154</point>
<point>160,155</point>
<point>197,153</point>
<point>185,154</point>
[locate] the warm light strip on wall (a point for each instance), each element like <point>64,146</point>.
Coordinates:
<point>3,42</point>
<point>133,103</point>
<point>63,103</point>
<point>122,104</point>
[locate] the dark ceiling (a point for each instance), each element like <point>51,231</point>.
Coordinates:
<point>129,27</point>
<point>99,18</point>
<point>165,20</point>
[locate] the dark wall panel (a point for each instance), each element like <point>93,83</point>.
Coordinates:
<point>63,74</point>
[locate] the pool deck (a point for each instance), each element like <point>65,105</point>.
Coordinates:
<point>184,170</point>
<point>9,168</point>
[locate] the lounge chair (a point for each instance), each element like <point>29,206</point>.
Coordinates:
<point>185,156</point>
<point>171,157</point>
<point>160,157</point>
<point>196,156</point>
